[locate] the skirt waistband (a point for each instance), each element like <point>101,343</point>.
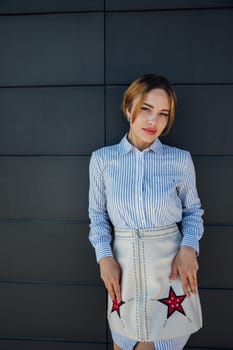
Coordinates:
<point>153,232</point>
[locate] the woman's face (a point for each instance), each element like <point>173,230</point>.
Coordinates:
<point>151,120</point>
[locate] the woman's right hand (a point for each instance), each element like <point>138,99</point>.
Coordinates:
<point>110,273</point>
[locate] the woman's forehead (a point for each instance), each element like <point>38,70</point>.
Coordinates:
<point>157,98</point>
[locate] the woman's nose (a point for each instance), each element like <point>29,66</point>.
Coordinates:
<point>153,118</point>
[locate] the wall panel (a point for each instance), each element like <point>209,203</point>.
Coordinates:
<point>53,252</point>
<point>217,317</point>
<point>186,46</point>
<point>28,6</point>
<point>42,188</point>
<point>61,120</point>
<point>52,311</point>
<point>214,176</point>
<point>164,4</point>
<point>57,49</point>
<point>216,258</point>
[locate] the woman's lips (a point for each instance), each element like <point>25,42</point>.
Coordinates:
<point>149,131</point>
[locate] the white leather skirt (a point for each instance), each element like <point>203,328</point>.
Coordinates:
<point>153,307</point>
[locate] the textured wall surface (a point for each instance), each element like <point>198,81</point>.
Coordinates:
<point>64,66</point>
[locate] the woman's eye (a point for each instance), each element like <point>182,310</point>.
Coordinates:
<point>164,114</point>
<point>145,109</point>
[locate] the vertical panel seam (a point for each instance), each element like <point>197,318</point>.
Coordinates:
<point>105,118</point>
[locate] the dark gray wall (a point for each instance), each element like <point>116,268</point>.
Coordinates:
<point>64,66</point>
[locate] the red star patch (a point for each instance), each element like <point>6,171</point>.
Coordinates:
<point>173,302</point>
<point>116,306</point>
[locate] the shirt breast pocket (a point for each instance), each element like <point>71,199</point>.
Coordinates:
<point>165,187</point>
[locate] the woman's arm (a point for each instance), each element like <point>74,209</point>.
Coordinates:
<point>100,229</point>
<point>192,223</point>
<point>185,263</point>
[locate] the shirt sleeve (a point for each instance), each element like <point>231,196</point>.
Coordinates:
<point>192,223</point>
<point>100,226</point>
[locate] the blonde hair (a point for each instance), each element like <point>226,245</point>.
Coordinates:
<point>135,94</point>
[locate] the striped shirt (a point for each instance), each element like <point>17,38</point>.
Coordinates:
<point>137,189</point>
<point>143,189</point>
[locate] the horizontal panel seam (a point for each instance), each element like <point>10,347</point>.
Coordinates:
<point>172,9</point>
<point>177,9</point>
<point>52,283</point>
<point>57,340</point>
<point>106,85</point>
<point>82,156</point>
<point>206,348</point>
<point>43,13</point>
<point>216,288</point>
<point>49,86</point>
<point>43,221</point>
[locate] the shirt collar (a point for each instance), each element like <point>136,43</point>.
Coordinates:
<point>126,146</point>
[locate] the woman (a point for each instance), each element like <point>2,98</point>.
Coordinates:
<point>141,189</point>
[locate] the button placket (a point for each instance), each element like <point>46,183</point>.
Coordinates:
<point>140,189</point>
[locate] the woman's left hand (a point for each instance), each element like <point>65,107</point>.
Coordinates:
<point>185,266</point>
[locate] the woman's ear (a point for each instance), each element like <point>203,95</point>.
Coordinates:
<point>128,113</point>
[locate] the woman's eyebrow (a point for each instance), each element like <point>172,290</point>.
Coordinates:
<point>147,104</point>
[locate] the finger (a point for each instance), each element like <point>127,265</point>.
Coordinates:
<point>117,291</point>
<point>111,291</point>
<point>185,284</point>
<point>196,281</point>
<point>192,281</point>
<point>174,272</point>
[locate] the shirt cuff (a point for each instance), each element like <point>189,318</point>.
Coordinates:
<point>102,251</point>
<point>191,241</point>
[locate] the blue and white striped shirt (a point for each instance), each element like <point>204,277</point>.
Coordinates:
<point>130,188</point>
